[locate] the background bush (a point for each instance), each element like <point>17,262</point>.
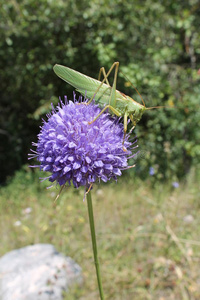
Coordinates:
<point>157,44</point>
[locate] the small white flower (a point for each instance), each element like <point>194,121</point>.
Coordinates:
<point>17,223</point>
<point>27,210</point>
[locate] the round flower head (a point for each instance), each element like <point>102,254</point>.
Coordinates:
<point>73,150</point>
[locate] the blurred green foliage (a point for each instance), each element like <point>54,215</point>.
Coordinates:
<point>157,44</point>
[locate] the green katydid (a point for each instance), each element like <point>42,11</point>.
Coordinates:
<point>117,102</point>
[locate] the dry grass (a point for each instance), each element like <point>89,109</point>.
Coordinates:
<point>148,237</point>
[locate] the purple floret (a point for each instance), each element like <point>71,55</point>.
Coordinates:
<point>175,184</point>
<point>74,151</point>
<point>151,171</point>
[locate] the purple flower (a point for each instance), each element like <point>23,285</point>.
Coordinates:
<point>175,184</point>
<point>151,171</point>
<point>74,151</point>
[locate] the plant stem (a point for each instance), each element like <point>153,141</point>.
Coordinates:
<point>94,244</point>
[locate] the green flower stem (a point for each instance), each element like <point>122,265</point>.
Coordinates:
<point>94,244</point>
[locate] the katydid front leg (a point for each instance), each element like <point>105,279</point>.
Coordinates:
<point>132,120</point>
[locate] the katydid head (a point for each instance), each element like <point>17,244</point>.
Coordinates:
<point>137,114</point>
<point>135,110</point>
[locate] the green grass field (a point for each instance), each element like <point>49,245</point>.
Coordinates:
<point>148,235</point>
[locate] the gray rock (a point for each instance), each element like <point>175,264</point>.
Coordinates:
<point>36,272</point>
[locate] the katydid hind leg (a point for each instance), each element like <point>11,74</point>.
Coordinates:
<point>115,111</point>
<point>105,78</point>
<point>112,100</point>
<point>102,70</point>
